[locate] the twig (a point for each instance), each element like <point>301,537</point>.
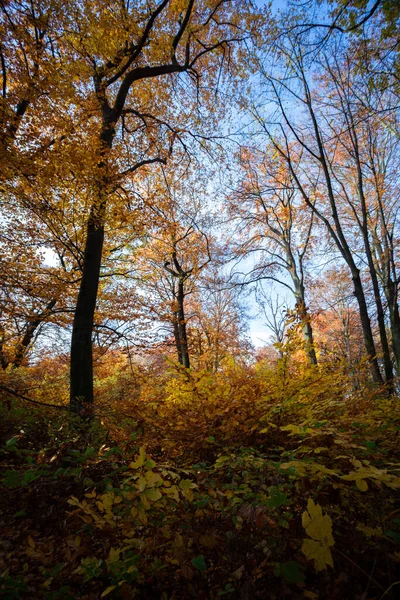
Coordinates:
<point>389,588</point>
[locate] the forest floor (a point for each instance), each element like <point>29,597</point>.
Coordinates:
<point>213,488</point>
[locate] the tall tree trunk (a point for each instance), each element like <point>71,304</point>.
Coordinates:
<point>177,337</point>
<point>387,362</point>
<point>81,370</point>
<point>4,362</point>
<point>394,322</point>
<point>308,335</point>
<point>182,326</point>
<point>300,296</point>
<point>366,325</point>
<point>81,398</point>
<point>341,241</point>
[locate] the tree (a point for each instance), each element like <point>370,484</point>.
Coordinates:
<point>219,322</point>
<point>144,43</point>
<point>352,128</point>
<point>309,158</point>
<point>276,227</point>
<point>275,313</point>
<point>337,321</point>
<point>176,248</point>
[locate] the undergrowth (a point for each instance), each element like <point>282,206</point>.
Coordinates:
<point>251,482</point>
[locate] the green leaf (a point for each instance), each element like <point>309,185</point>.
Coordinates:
<point>291,571</point>
<point>277,499</point>
<point>152,494</point>
<point>393,535</point>
<point>200,563</point>
<point>11,443</point>
<point>12,479</point>
<point>186,484</point>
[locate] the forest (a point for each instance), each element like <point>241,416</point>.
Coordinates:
<point>199,299</point>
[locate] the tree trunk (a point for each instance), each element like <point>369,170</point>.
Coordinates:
<point>81,392</point>
<point>4,362</point>
<point>387,362</point>
<point>309,338</point>
<point>177,338</point>
<point>305,320</point>
<point>31,327</point>
<point>341,242</point>
<point>81,370</point>
<point>182,326</point>
<point>394,323</point>
<point>366,326</point>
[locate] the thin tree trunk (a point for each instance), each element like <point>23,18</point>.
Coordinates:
<point>341,242</point>
<point>27,338</point>
<point>387,362</point>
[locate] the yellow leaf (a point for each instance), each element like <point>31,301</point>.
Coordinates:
<point>107,500</point>
<point>144,503</point>
<point>142,483</point>
<point>114,555</point>
<point>178,541</point>
<point>141,459</point>
<point>142,516</point>
<point>108,590</point>
<point>171,491</point>
<point>31,541</point>
<point>318,552</point>
<point>208,541</point>
<point>153,478</point>
<point>362,485</point>
<point>86,519</point>
<point>369,531</point>
<point>317,526</point>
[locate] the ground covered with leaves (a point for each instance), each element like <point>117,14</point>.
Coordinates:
<point>252,482</point>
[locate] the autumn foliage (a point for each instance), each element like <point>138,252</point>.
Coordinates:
<point>176,174</point>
